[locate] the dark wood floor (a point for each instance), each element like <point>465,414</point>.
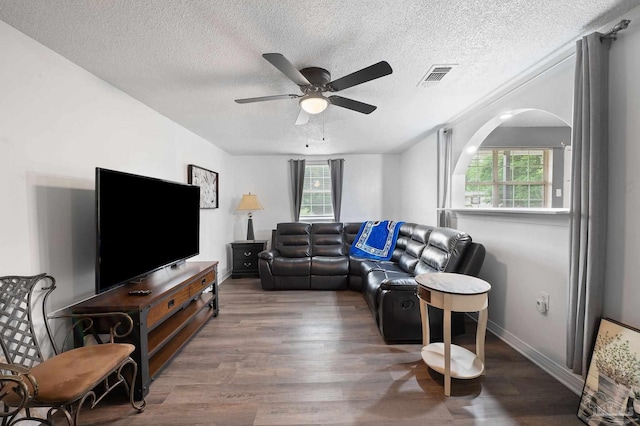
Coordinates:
<point>316,358</point>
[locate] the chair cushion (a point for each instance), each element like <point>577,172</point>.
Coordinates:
<point>69,375</point>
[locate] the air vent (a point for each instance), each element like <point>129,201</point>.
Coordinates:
<point>435,74</point>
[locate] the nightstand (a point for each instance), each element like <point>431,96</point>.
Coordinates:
<point>245,257</point>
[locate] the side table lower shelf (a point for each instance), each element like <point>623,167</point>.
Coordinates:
<point>464,363</point>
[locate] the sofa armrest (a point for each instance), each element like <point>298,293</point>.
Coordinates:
<point>269,255</point>
<point>399,284</point>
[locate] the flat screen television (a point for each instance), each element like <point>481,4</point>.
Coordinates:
<point>143,224</point>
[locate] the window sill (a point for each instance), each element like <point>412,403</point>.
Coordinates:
<point>317,219</point>
<point>507,211</point>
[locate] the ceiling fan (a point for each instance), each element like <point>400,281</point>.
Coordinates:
<point>314,81</point>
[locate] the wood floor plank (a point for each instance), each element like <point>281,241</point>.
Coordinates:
<point>316,358</point>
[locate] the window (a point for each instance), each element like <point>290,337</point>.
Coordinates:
<point>509,178</point>
<point>316,192</point>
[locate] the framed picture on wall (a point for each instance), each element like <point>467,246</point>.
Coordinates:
<point>208,183</point>
<point>611,393</point>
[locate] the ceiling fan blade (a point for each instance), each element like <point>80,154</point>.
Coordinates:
<point>372,72</point>
<point>266,98</point>
<point>303,117</point>
<point>351,104</point>
<point>287,68</point>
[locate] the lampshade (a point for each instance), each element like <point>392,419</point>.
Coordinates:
<point>249,202</point>
<point>314,103</point>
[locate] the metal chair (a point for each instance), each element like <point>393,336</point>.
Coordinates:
<point>63,382</point>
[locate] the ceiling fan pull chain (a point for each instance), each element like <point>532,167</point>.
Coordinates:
<point>323,127</point>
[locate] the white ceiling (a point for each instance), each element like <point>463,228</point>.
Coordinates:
<point>189,60</point>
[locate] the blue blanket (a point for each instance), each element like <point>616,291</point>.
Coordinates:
<point>376,240</point>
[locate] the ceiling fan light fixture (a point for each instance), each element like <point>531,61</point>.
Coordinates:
<point>314,103</point>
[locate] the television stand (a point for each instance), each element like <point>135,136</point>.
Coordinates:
<point>180,303</point>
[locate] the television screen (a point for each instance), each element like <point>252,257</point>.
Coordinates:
<point>143,224</point>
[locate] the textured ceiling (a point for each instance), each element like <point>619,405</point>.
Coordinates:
<point>189,60</point>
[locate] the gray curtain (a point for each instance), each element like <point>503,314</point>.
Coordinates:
<point>297,182</point>
<point>337,168</point>
<point>589,177</point>
<point>444,177</point>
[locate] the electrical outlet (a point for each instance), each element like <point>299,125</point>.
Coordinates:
<point>542,302</point>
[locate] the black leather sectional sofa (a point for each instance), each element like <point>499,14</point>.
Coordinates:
<point>316,256</point>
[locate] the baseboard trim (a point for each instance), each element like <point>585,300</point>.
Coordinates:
<point>223,277</point>
<point>572,381</point>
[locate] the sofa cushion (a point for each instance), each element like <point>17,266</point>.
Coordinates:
<point>404,235</point>
<point>401,282</point>
<point>421,233</point>
<point>443,252</point>
<point>371,288</point>
<point>369,265</point>
<point>289,266</point>
<point>330,265</point>
<point>327,239</point>
<point>413,249</point>
<point>293,240</point>
<point>351,230</point>
<point>355,265</point>
<point>290,282</point>
<point>372,285</point>
<point>329,282</point>
<point>409,258</point>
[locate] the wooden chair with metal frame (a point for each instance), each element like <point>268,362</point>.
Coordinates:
<point>61,383</point>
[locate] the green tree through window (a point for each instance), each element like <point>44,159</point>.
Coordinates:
<point>316,192</point>
<point>508,178</point>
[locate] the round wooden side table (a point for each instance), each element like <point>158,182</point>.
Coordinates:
<point>458,293</point>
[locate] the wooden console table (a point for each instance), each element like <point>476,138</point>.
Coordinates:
<point>459,293</point>
<point>181,301</point>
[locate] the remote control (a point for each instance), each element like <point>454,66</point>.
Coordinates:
<point>139,292</point>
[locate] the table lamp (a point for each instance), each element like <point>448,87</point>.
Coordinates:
<point>250,203</point>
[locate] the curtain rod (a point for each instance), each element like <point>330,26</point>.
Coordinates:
<point>612,34</point>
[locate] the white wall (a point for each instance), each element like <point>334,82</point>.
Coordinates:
<point>419,182</point>
<point>59,122</point>
<point>526,254</point>
<point>370,189</point>
<point>623,245</point>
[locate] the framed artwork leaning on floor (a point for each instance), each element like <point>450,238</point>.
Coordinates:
<point>611,393</point>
